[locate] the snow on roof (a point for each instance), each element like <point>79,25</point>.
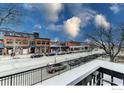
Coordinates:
<point>79,73</point>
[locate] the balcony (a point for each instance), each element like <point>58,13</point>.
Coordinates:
<point>94,73</point>
<point>37,74</point>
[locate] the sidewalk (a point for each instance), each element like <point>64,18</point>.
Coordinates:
<point>8,57</point>
<point>5,58</point>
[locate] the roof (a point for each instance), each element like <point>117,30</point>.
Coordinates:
<point>43,38</point>
<point>74,41</point>
<point>76,46</point>
<point>17,36</point>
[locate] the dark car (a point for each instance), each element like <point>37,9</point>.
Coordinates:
<point>90,57</point>
<point>83,59</point>
<point>69,52</point>
<point>36,55</point>
<point>74,62</point>
<point>56,67</point>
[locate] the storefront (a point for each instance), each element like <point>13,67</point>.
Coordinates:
<point>17,50</point>
<point>8,50</point>
<point>24,50</point>
<point>42,49</point>
<point>32,49</point>
<point>59,48</point>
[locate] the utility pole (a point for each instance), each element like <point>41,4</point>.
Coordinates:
<point>55,57</point>
<point>14,47</point>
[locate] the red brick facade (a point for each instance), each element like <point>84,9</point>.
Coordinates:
<point>72,43</point>
<point>42,45</point>
<point>17,41</point>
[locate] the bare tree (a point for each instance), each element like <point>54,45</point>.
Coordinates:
<point>110,40</point>
<point>9,14</point>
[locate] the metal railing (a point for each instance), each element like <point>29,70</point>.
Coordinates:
<point>37,75</point>
<point>99,78</point>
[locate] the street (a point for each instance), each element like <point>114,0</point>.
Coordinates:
<point>18,65</point>
<point>35,72</point>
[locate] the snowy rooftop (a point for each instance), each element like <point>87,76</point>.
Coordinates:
<point>75,75</point>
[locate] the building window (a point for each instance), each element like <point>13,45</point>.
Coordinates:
<point>31,43</point>
<point>9,41</point>
<point>47,43</point>
<point>43,42</point>
<point>25,41</point>
<point>18,42</point>
<point>38,42</point>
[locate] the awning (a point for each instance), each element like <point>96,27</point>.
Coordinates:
<point>77,46</point>
<point>32,46</point>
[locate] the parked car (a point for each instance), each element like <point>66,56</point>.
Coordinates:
<point>83,59</point>
<point>55,67</point>
<point>69,52</point>
<point>61,53</point>
<point>36,55</point>
<point>89,57</point>
<point>75,62</point>
<point>50,54</point>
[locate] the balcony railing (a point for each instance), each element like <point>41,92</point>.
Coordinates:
<point>98,77</point>
<point>34,76</point>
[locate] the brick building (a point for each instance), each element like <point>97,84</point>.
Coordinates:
<point>58,46</point>
<point>42,45</point>
<point>73,46</point>
<point>16,44</point>
<point>25,43</point>
<point>72,43</point>
<point>22,43</point>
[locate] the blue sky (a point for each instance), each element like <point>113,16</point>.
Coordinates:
<point>66,21</point>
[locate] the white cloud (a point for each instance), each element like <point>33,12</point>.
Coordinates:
<point>72,26</point>
<point>101,21</point>
<point>37,26</point>
<point>84,13</point>
<point>87,41</point>
<point>27,6</point>
<point>49,10</point>
<point>52,10</point>
<point>115,8</point>
<point>53,27</point>
<point>56,39</point>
